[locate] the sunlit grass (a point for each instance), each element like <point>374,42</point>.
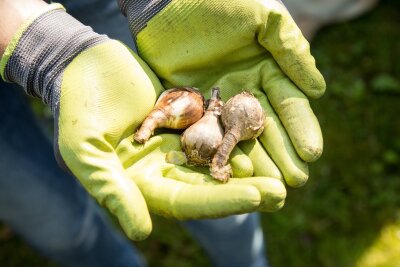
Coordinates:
<point>385,251</point>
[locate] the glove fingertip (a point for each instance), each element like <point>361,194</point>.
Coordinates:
<point>296,180</point>
<point>317,88</point>
<point>275,197</point>
<point>140,232</point>
<point>310,153</point>
<point>272,208</point>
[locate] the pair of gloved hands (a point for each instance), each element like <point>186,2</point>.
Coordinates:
<point>105,91</point>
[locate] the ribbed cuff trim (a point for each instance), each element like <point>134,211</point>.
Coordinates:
<point>17,36</point>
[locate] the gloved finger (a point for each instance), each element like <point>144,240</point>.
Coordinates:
<point>129,152</point>
<point>272,190</point>
<point>180,200</point>
<point>274,137</point>
<point>105,179</point>
<point>284,40</point>
<point>277,143</point>
<point>242,165</point>
<point>261,161</point>
<point>295,113</point>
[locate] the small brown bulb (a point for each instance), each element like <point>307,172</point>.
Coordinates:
<point>243,118</point>
<point>176,108</point>
<point>201,140</point>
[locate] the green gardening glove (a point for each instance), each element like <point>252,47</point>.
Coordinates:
<point>239,45</point>
<point>100,93</point>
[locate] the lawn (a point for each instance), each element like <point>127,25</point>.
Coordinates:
<point>348,214</point>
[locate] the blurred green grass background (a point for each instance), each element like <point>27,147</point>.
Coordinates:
<point>348,214</point>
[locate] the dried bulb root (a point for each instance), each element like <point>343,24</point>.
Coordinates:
<point>243,119</point>
<point>201,140</point>
<point>220,170</point>
<point>176,108</point>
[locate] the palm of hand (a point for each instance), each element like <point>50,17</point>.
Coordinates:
<point>105,95</point>
<point>237,46</point>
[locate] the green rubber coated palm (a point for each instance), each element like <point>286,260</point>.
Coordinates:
<point>106,93</point>
<point>240,45</point>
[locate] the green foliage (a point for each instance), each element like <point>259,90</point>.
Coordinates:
<point>339,217</point>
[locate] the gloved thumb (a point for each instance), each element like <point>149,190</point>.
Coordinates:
<point>101,173</point>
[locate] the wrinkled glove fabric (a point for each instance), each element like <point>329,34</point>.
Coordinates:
<point>100,92</point>
<point>239,45</point>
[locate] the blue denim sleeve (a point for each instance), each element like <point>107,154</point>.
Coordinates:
<point>103,16</point>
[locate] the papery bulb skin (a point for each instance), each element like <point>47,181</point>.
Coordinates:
<point>243,118</point>
<point>176,108</point>
<point>201,140</point>
<point>243,113</point>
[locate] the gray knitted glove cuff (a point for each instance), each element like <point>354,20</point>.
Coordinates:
<point>139,12</point>
<point>44,50</point>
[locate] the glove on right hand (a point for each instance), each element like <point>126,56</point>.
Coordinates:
<point>234,44</point>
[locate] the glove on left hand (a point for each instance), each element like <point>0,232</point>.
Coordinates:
<point>100,92</point>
